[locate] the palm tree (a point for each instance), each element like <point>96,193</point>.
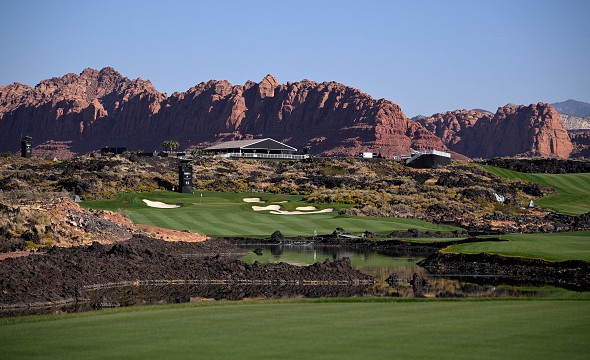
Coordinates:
<point>166,145</point>
<point>170,144</point>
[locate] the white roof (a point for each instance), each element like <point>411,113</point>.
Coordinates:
<point>238,144</point>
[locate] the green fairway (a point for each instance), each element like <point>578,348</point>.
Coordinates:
<point>553,247</point>
<point>226,214</point>
<point>530,329</point>
<point>574,189</point>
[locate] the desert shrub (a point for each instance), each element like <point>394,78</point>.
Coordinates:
<point>12,244</point>
<point>124,212</point>
<point>329,169</point>
<point>41,219</point>
<point>508,209</point>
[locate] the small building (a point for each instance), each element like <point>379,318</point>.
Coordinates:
<point>428,159</point>
<point>109,150</point>
<point>256,148</point>
<point>26,147</point>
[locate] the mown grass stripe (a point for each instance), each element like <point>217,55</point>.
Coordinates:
<point>574,189</point>
<point>552,246</point>
<point>224,214</point>
<point>312,330</point>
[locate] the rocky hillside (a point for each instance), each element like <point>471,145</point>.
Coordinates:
<point>33,219</point>
<point>77,114</point>
<point>458,194</point>
<point>534,130</point>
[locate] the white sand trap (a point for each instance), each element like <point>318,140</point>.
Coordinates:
<point>253,200</point>
<point>269,207</point>
<point>160,205</point>
<point>286,212</point>
<point>306,208</point>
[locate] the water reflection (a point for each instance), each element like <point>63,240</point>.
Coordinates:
<point>396,276</point>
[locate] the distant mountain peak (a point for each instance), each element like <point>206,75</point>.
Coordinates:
<point>483,111</point>
<point>572,107</point>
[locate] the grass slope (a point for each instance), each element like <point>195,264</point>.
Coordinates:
<point>534,329</point>
<point>226,214</point>
<point>574,189</point>
<point>552,247</point>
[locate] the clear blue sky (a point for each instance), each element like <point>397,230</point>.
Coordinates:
<point>426,56</point>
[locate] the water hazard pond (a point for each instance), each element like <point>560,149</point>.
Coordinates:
<point>396,277</point>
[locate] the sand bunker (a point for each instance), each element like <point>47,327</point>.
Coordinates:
<point>286,212</point>
<point>269,207</point>
<point>306,208</point>
<point>253,200</point>
<point>276,209</point>
<point>160,205</point>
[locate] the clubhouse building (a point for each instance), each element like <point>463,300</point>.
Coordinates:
<point>256,148</point>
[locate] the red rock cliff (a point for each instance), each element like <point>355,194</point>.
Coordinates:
<point>534,130</point>
<point>93,109</point>
<point>103,108</point>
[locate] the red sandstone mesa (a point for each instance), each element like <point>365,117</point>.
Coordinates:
<point>534,130</point>
<point>103,108</point>
<point>77,114</point>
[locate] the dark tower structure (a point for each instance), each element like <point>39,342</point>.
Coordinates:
<point>26,147</point>
<point>185,177</point>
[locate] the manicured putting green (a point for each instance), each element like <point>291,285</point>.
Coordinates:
<point>226,214</point>
<point>574,189</point>
<point>553,247</point>
<point>530,329</point>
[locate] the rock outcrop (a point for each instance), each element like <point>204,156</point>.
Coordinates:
<point>93,109</point>
<point>103,108</point>
<point>581,141</point>
<point>534,130</point>
<point>571,122</point>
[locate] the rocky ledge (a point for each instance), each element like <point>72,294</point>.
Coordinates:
<point>572,275</point>
<point>63,275</point>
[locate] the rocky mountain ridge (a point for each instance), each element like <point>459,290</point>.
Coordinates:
<point>78,114</point>
<point>102,108</point>
<point>533,130</point>
<point>572,107</point>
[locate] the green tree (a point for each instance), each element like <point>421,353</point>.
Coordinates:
<point>170,145</point>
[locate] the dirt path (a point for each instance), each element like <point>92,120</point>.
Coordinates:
<point>14,254</point>
<point>172,235</point>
